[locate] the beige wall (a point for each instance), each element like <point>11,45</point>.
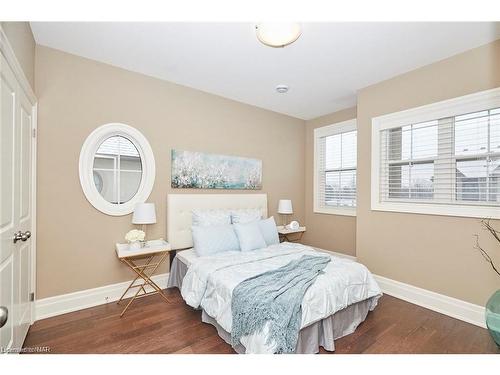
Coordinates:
<point>22,42</point>
<point>76,95</point>
<point>330,232</point>
<point>428,251</point>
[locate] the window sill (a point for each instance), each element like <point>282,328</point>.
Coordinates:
<point>336,211</point>
<point>439,209</point>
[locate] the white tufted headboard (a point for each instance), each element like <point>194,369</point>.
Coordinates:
<point>180,206</point>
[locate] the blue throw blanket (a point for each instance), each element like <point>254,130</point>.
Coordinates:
<point>275,297</point>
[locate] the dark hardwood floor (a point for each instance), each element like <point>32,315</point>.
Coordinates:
<point>152,326</point>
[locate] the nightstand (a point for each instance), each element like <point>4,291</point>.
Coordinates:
<point>140,261</point>
<point>290,235</point>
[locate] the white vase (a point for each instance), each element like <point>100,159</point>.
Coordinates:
<point>135,245</point>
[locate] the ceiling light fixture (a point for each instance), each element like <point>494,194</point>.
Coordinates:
<point>282,89</point>
<point>278,34</point>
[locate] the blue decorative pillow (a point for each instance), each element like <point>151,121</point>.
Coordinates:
<point>269,231</point>
<point>210,240</point>
<point>249,236</point>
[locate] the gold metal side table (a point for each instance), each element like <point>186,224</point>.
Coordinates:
<point>143,262</point>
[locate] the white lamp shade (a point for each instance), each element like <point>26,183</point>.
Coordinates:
<point>144,213</point>
<point>285,207</point>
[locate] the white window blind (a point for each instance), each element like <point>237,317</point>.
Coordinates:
<point>447,161</point>
<point>335,168</point>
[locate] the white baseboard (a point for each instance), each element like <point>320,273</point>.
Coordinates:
<point>450,306</point>
<point>65,303</point>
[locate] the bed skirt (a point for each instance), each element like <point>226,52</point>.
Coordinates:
<point>320,334</point>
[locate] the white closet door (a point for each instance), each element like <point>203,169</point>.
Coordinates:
<point>16,210</point>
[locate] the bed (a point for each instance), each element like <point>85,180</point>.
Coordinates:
<point>333,307</point>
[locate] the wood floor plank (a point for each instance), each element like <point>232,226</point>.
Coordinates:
<point>152,326</point>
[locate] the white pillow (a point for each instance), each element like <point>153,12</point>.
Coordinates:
<point>269,231</point>
<point>249,236</point>
<point>209,240</point>
<point>211,217</point>
<point>246,215</point>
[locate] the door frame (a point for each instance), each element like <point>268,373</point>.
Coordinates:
<point>8,52</point>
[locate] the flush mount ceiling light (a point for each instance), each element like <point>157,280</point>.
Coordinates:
<point>282,89</point>
<point>278,34</point>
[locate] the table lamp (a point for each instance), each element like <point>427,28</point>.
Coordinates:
<point>285,208</point>
<point>144,213</point>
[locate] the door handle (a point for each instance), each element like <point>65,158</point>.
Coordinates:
<point>4,315</point>
<point>20,236</point>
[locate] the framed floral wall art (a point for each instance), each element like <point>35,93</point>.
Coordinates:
<point>201,170</point>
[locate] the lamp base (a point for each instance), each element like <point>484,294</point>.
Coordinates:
<point>143,228</point>
<point>284,220</point>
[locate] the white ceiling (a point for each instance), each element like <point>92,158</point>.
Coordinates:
<point>324,69</point>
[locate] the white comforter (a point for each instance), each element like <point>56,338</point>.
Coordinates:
<point>209,283</point>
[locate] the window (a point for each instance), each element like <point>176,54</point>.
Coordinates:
<point>335,162</point>
<point>117,168</point>
<point>439,159</point>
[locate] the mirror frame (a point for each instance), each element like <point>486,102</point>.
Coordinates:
<point>86,168</point>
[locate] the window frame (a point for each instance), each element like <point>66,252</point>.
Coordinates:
<point>476,102</point>
<point>325,131</point>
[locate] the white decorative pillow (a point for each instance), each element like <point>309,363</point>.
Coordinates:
<point>210,240</point>
<point>245,215</point>
<point>249,236</point>
<point>269,231</point>
<point>211,217</point>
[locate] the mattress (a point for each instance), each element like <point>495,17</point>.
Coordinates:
<point>189,256</point>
